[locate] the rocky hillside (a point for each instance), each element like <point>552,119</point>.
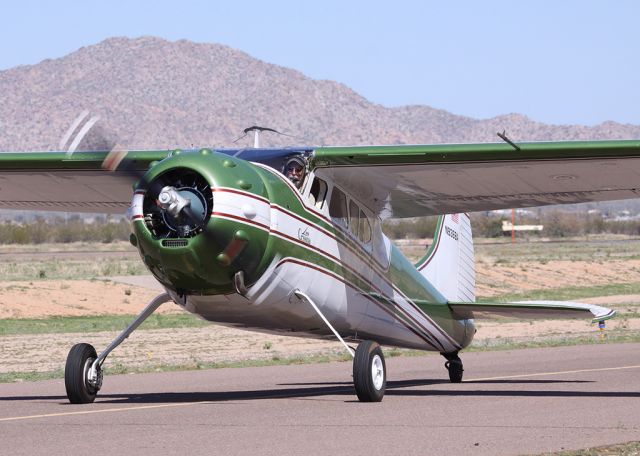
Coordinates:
<point>152,93</point>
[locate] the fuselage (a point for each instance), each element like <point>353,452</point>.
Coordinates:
<point>317,239</point>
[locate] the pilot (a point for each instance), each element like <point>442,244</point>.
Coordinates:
<point>295,171</point>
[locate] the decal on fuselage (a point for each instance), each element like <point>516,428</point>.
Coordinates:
<point>303,235</point>
<point>451,233</point>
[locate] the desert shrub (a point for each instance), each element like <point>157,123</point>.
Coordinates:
<point>63,231</point>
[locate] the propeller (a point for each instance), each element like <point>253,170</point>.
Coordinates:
<point>177,203</point>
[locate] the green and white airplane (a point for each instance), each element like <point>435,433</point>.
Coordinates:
<point>289,240</point>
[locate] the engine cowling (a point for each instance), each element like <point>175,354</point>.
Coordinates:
<point>198,218</point>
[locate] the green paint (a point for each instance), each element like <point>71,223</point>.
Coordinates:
<point>458,153</point>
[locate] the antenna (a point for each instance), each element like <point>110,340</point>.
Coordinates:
<point>256,134</point>
<point>503,136</point>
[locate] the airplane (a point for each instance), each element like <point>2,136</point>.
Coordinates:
<point>289,240</point>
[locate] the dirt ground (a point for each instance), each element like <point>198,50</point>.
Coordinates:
<point>46,298</point>
<point>495,279</point>
<point>214,343</point>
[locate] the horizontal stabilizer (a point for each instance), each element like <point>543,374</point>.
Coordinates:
<point>531,309</point>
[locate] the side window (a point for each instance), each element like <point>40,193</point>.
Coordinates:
<point>318,193</point>
<point>338,207</point>
<point>365,228</point>
<point>354,217</point>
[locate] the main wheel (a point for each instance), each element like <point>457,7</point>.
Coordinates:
<point>369,372</point>
<point>454,366</point>
<point>76,374</point>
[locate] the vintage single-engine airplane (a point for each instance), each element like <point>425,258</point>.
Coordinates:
<point>289,240</point>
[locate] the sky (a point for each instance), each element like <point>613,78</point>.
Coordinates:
<point>560,62</point>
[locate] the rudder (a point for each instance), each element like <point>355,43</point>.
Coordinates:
<point>449,263</point>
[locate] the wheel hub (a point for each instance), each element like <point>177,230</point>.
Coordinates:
<point>93,380</point>
<point>377,372</point>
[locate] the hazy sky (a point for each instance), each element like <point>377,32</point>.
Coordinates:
<point>555,61</point>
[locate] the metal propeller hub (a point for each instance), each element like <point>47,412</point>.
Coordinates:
<point>177,204</point>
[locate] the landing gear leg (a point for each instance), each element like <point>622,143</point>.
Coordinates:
<point>369,372</point>
<point>83,371</point>
<point>454,366</point>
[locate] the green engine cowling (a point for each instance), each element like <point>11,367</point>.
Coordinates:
<point>194,223</point>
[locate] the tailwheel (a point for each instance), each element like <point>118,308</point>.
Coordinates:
<point>82,386</point>
<point>454,366</point>
<point>369,372</point>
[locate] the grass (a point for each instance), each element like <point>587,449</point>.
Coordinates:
<point>71,269</point>
<point>95,323</point>
<point>612,337</point>
<point>85,267</point>
<point>118,369</point>
<point>93,247</point>
<point>76,260</point>
<point>623,449</point>
<point>578,250</point>
<point>496,251</point>
<point>568,293</point>
<point>502,344</point>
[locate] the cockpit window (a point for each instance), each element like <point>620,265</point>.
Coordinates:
<point>318,193</point>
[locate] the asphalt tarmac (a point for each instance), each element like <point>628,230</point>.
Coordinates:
<point>511,402</point>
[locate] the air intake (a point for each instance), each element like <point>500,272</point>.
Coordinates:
<point>172,243</point>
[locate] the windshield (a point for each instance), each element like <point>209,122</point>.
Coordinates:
<point>274,158</point>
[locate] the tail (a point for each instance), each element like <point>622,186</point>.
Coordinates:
<point>449,262</point>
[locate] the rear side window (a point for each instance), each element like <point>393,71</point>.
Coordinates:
<point>364,233</point>
<point>354,217</point>
<point>338,207</point>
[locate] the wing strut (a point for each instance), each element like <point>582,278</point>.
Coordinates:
<point>304,297</point>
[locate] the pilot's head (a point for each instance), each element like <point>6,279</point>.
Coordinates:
<point>295,170</point>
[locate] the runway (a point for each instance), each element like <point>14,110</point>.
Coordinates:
<point>511,402</point>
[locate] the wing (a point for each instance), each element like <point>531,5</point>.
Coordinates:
<point>531,309</point>
<point>54,181</point>
<point>413,181</point>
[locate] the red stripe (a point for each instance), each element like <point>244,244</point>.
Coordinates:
<point>242,219</point>
<point>373,286</point>
<point>240,192</point>
<point>340,262</point>
<point>341,279</point>
<point>321,216</point>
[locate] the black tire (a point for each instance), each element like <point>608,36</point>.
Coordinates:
<point>454,366</point>
<point>79,361</point>
<point>369,386</point>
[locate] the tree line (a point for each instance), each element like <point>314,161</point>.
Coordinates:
<point>59,230</point>
<point>557,224</point>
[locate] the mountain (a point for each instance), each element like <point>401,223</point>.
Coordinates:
<point>152,93</point>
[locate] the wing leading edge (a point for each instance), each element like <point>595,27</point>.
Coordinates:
<point>55,181</point>
<point>413,181</point>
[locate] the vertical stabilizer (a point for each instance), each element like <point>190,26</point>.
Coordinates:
<point>449,262</point>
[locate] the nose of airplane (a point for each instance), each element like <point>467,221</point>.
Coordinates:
<point>193,226</point>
